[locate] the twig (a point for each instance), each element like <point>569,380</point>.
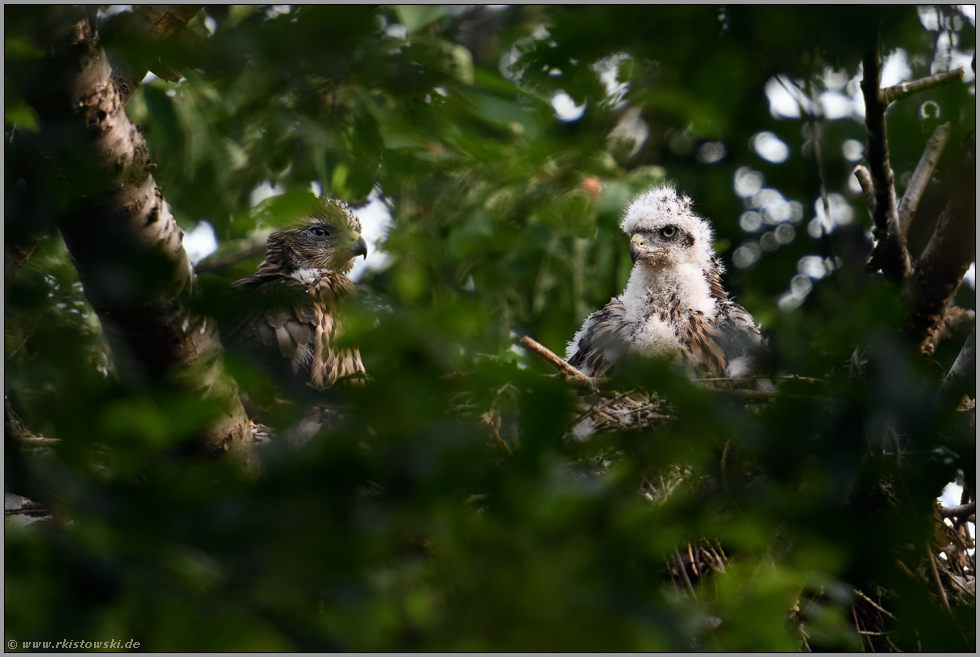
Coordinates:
<point>785,377</point>
<point>939,582</point>
<point>670,571</point>
<point>572,373</point>
<point>962,588</point>
<point>961,511</point>
<point>857,627</point>
<point>739,392</point>
<point>965,365</point>
<point>875,604</point>
<point>601,402</point>
<point>37,441</point>
<point>492,420</point>
<point>611,419</point>
<point>889,254</point>
<point>867,186</point>
<point>795,377</point>
<point>921,175</point>
<point>721,564</point>
<point>22,342</point>
<point>687,580</point>
<point>28,511</point>
<point>890,94</point>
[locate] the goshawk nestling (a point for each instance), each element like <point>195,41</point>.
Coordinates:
<point>674,303</point>
<point>291,322</point>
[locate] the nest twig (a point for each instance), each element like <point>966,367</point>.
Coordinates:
<point>570,372</point>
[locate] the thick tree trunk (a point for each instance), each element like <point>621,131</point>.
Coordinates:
<point>29,218</point>
<point>122,237</point>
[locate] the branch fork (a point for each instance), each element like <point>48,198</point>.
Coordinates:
<point>931,282</point>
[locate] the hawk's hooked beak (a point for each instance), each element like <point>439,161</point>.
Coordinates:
<point>638,248</point>
<point>359,248</point>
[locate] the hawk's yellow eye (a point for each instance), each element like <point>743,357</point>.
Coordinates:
<point>668,231</point>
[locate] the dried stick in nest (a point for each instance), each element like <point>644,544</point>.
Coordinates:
<point>571,373</point>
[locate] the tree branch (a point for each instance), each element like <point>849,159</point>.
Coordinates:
<point>867,186</point>
<point>961,511</point>
<point>890,94</point>
<point>559,363</point>
<point>965,366</point>
<point>946,258</point>
<point>124,241</point>
<point>921,175</point>
<point>890,254</point>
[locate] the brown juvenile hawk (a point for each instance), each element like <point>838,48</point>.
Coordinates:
<point>674,302</point>
<point>291,323</point>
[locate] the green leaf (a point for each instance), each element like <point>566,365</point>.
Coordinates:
<point>415,17</point>
<point>20,48</point>
<point>18,112</point>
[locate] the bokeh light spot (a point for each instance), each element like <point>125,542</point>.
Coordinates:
<point>769,147</point>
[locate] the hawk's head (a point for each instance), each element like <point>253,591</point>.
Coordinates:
<point>328,238</point>
<point>664,230</point>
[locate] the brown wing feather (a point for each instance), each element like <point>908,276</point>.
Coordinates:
<point>700,337</point>
<point>712,345</point>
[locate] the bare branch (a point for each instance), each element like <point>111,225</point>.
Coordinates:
<point>890,94</point>
<point>939,582</point>
<point>965,365</point>
<point>953,316</point>
<point>961,511</point>
<point>559,363</point>
<point>864,179</point>
<point>783,377</point>
<point>946,258</point>
<point>687,580</point>
<point>875,604</point>
<point>920,178</point>
<point>889,254</point>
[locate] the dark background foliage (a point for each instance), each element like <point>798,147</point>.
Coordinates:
<point>408,529</point>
